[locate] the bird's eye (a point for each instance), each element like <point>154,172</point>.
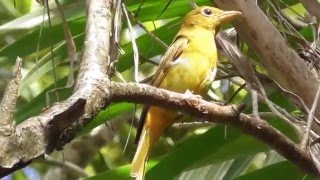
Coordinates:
<point>207,12</point>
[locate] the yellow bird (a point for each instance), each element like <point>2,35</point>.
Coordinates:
<point>190,63</point>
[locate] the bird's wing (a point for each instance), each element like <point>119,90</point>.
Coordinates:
<point>173,53</point>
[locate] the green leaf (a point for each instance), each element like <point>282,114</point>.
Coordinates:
<point>109,113</point>
<point>44,65</point>
<point>147,47</point>
<point>238,167</point>
<point>282,170</point>
<point>175,9</point>
<point>28,44</point>
<point>214,146</point>
<point>208,148</point>
<point>214,171</point>
<point>121,173</point>
<point>35,106</point>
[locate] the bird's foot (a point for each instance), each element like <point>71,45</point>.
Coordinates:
<point>220,103</point>
<point>195,97</point>
<point>189,94</point>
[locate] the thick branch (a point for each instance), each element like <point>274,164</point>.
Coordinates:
<point>140,93</point>
<point>145,94</point>
<point>8,102</point>
<point>49,130</point>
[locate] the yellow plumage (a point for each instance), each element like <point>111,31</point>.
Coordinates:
<point>189,64</point>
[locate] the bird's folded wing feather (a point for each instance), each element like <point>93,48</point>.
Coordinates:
<point>173,53</point>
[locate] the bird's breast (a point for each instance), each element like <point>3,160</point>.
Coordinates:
<point>189,71</point>
<point>194,64</point>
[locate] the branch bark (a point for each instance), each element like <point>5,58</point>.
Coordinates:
<point>48,131</point>
<point>229,115</point>
<point>8,102</point>
<point>282,63</point>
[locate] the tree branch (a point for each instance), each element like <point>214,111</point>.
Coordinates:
<point>51,129</point>
<point>8,102</point>
<point>283,64</point>
<point>229,115</point>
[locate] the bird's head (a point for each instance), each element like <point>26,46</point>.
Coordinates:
<point>209,17</point>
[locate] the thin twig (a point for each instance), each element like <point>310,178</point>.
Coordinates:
<point>196,124</point>
<point>310,119</point>
<point>131,125</point>
<point>71,47</point>
<point>255,105</point>
<point>140,24</point>
<point>193,3</point>
<point>134,45</point>
<point>55,78</point>
<point>247,72</point>
<point>235,93</point>
<point>39,40</point>
<point>119,75</point>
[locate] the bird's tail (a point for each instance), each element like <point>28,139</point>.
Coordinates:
<point>157,120</point>
<point>140,158</point>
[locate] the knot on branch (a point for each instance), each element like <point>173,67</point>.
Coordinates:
<point>58,133</point>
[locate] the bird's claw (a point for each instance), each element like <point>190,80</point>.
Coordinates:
<point>189,94</point>
<point>219,103</point>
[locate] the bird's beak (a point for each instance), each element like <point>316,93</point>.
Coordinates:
<point>227,16</point>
